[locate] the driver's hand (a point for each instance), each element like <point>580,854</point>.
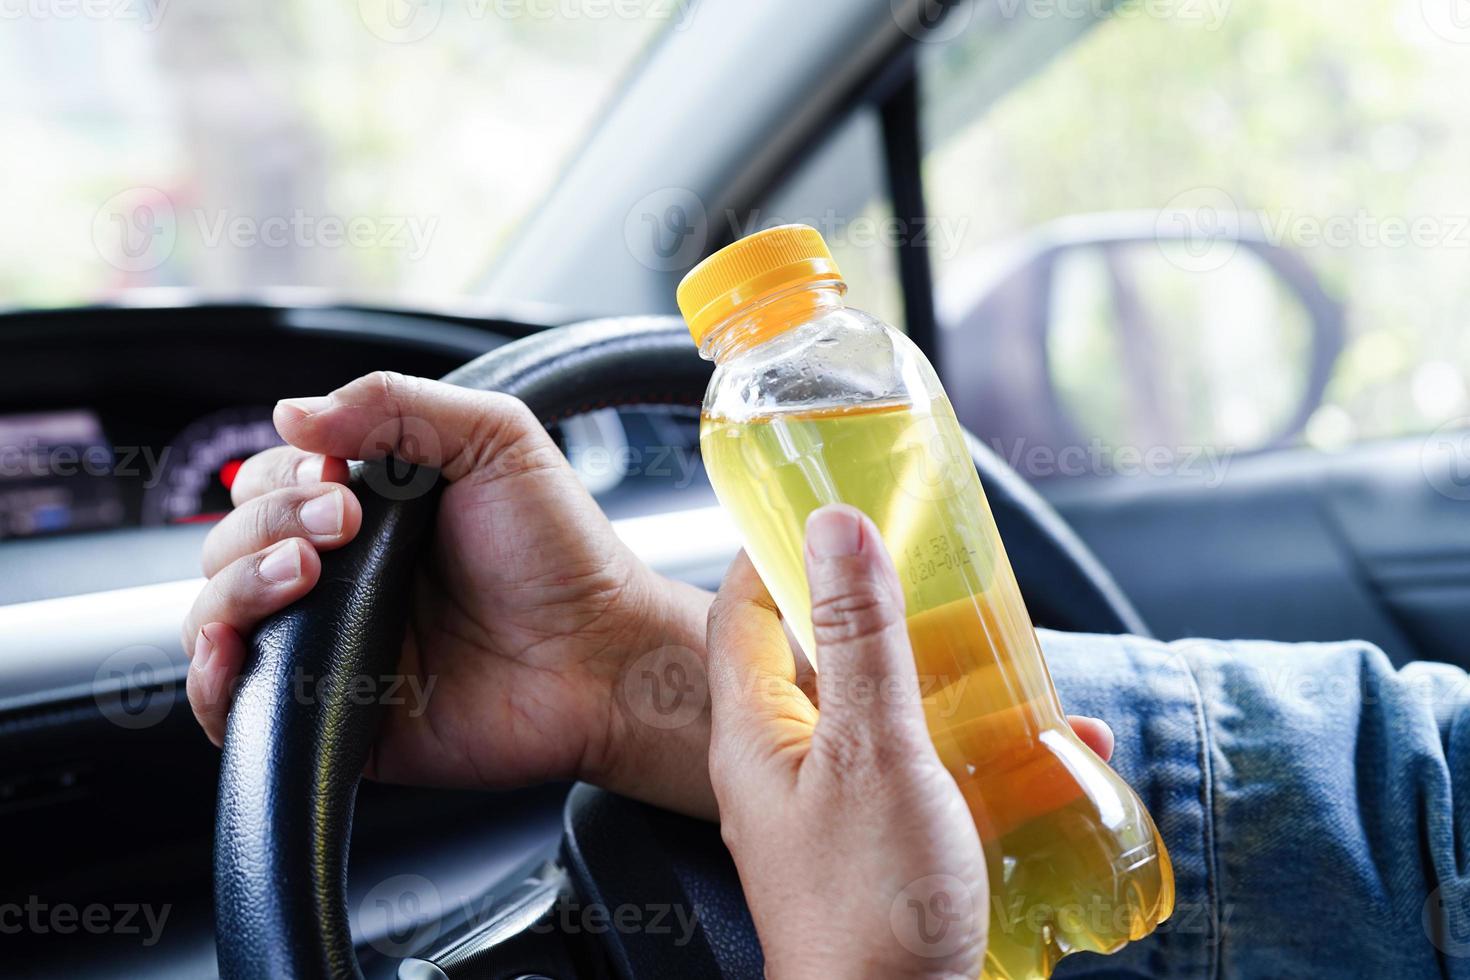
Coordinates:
<point>856,851</point>
<point>527,610</point>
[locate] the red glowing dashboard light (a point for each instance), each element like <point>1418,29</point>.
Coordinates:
<point>229,471</point>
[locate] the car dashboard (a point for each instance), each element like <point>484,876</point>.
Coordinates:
<point>120,433</point>
<point>125,420</point>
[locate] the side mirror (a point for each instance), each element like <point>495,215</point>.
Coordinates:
<point>1141,330</point>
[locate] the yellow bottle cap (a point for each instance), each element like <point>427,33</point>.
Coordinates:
<point>750,270</point>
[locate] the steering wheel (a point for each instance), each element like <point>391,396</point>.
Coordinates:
<point>291,765</point>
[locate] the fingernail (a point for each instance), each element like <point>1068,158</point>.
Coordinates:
<point>323,515</point>
<point>283,564</point>
<point>203,650</point>
<point>306,406</point>
<point>834,532</point>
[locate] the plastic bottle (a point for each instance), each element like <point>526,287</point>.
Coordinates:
<point>814,403</point>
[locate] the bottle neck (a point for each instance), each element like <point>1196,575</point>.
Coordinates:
<point>758,322</point>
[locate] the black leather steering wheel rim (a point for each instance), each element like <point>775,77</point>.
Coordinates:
<point>300,729</point>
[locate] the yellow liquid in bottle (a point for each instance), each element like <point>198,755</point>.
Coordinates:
<point>1074,860</point>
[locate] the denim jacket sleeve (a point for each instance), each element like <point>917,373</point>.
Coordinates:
<point>1315,801</point>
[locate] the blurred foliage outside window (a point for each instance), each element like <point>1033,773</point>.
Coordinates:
<point>1337,126</point>
<point>383,151</point>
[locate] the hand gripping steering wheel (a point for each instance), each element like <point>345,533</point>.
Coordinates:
<point>291,765</point>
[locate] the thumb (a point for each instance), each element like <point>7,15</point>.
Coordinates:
<point>867,684</point>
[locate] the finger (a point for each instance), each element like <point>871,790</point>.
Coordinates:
<point>1095,734</point>
<point>219,654</point>
<point>752,672</point>
<point>325,514</point>
<point>251,588</point>
<point>424,422</point>
<point>283,466</point>
<point>866,678</point>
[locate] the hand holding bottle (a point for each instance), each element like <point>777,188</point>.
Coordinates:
<point>815,403</point>
<point>856,849</point>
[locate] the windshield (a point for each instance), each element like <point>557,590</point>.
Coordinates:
<point>383,151</point>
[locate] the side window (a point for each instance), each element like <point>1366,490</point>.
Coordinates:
<point>840,189</point>
<point>1235,226</point>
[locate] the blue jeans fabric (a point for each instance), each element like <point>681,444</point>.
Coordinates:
<point>1314,800</point>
